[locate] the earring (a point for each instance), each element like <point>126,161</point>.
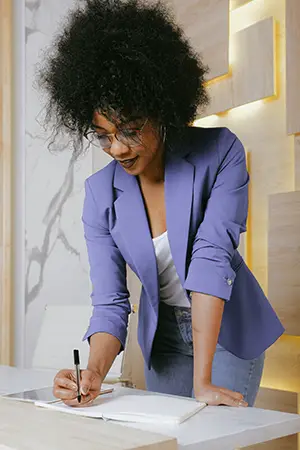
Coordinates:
<point>163,132</point>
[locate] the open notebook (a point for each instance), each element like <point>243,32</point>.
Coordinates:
<point>136,408</point>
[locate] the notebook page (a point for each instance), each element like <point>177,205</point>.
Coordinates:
<point>151,408</point>
<point>136,408</point>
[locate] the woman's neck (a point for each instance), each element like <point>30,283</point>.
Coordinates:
<point>155,172</point>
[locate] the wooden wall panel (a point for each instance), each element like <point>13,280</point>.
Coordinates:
<point>282,366</point>
<point>221,96</point>
<point>237,3</point>
<point>133,363</point>
<point>284,258</point>
<point>5,182</point>
<point>297,162</point>
<point>286,443</point>
<point>277,401</point>
<point>243,246</point>
<point>248,81</point>
<point>206,23</point>
<point>293,65</point>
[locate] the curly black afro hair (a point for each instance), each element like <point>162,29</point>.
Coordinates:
<point>126,56</point>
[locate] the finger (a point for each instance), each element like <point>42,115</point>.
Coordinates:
<point>87,379</point>
<point>233,394</point>
<point>64,382</point>
<point>88,403</point>
<point>228,400</point>
<point>64,394</point>
<point>66,373</point>
<point>236,396</point>
<point>85,400</point>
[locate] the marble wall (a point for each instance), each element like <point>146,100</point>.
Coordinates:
<point>55,266</point>
<point>56,269</point>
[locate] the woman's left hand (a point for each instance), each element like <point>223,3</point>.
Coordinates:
<point>215,395</point>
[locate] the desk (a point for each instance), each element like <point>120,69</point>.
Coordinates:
<point>214,428</point>
<point>26,427</point>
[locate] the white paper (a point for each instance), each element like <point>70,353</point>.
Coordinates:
<point>137,408</point>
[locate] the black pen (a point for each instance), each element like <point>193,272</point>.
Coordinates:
<point>77,371</point>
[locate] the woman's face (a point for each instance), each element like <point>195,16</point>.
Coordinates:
<point>135,145</point>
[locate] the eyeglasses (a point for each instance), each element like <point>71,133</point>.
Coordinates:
<point>131,137</point>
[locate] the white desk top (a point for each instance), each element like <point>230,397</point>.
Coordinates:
<point>211,429</point>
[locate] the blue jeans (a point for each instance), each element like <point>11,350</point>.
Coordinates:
<point>172,360</point>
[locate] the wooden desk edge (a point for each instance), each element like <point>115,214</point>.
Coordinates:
<point>19,417</point>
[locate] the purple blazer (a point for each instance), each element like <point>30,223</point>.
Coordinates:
<point>206,195</point>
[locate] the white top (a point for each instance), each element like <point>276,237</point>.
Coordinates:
<point>171,290</point>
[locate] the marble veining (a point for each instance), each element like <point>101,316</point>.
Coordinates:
<point>33,5</point>
<point>53,214</point>
<point>31,8</point>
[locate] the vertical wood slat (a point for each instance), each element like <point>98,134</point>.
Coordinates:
<point>206,24</point>
<point>5,182</point>
<point>293,66</point>
<point>238,3</point>
<point>239,89</point>
<point>297,162</point>
<point>284,258</point>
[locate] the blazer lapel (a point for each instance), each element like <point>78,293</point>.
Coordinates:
<point>132,225</point>
<point>179,182</point>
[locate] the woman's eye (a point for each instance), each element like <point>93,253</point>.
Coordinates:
<point>101,137</point>
<point>129,133</point>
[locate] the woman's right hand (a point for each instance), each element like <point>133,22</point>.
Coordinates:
<point>65,387</point>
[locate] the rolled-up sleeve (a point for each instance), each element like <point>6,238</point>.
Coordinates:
<point>218,235</point>
<point>110,297</point>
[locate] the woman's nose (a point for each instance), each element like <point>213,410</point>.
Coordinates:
<point>118,150</point>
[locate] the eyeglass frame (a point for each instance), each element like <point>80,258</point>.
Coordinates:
<point>110,136</point>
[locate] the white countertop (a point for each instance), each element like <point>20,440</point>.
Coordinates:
<point>211,429</point>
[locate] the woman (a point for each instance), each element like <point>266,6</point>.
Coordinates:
<point>171,205</point>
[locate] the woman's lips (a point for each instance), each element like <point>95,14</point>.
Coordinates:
<point>128,163</point>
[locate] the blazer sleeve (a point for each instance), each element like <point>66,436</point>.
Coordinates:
<point>110,297</point>
<point>218,235</point>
